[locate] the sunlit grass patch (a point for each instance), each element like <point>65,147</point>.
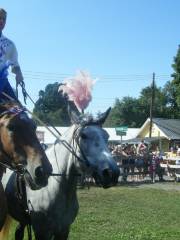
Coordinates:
<point>126,213</point>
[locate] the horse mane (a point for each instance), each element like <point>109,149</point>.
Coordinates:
<point>7,105</point>
<point>85,119</point>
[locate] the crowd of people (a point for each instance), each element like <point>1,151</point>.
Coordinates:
<point>137,159</point>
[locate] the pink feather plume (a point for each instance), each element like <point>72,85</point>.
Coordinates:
<point>79,89</point>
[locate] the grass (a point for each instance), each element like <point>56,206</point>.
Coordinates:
<point>126,213</point>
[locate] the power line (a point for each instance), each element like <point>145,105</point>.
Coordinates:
<point>55,79</point>
<point>104,76</point>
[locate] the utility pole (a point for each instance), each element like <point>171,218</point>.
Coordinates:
<point>152,105</point>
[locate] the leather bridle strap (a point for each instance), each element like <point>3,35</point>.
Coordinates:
<point>22,199</point>
<point>76,139</point>
<point>19,168</point>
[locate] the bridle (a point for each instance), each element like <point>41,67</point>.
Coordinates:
<point>76,141</point>
<point>8,160</point>
<point>18,169</point>
<point>72,148</point>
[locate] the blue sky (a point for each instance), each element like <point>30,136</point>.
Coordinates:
<point>121,42</point>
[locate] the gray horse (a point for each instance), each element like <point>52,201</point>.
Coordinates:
<point>54,207</point>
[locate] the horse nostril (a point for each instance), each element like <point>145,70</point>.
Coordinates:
<point>39,172</point>
<point>50,169</point>
<point>107,173</point>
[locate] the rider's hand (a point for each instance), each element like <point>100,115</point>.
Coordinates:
<point>19,78</point>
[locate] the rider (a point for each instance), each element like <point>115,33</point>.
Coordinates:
<point>8,56</point>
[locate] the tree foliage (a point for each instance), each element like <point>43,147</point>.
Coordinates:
<point>124,112</point>
<point>134,111</point>
<point>175,84</point>
<point>51,106</point>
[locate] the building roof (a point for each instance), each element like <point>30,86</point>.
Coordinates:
<point>138,140</point>
<point>49,139</point>
<point>170,127</point>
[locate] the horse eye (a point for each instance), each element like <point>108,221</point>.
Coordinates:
<point>11,127</point>
<point>83,136</point>
<point>106,135</point>
<point>33,125</point>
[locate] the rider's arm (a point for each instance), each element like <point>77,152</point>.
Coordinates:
<point>13,57</point>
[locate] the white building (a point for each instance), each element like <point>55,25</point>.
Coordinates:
<point>45,136</point>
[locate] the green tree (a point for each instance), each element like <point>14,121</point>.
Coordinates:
<point>134,111</point>
<point>175,84</point>
<point>160,102</point>
<point>124,112</point>
<point>51,107</point>
<point>172,110</point>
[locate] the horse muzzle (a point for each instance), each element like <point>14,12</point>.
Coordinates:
<point>107,178</point>
<point>40,177</point>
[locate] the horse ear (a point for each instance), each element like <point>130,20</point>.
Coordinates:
<point>102,117</point>
<point>73,112</point>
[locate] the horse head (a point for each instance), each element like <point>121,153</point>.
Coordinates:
<point>19,146</point>
<point>95,157</point>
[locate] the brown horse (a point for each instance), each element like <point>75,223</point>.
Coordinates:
<point>20,150</point>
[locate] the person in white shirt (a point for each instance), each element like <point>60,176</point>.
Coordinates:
<point>8,55</point>
<point>141,148</point>
<point>178,150</point>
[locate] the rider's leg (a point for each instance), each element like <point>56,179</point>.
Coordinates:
<point>9,91</point>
